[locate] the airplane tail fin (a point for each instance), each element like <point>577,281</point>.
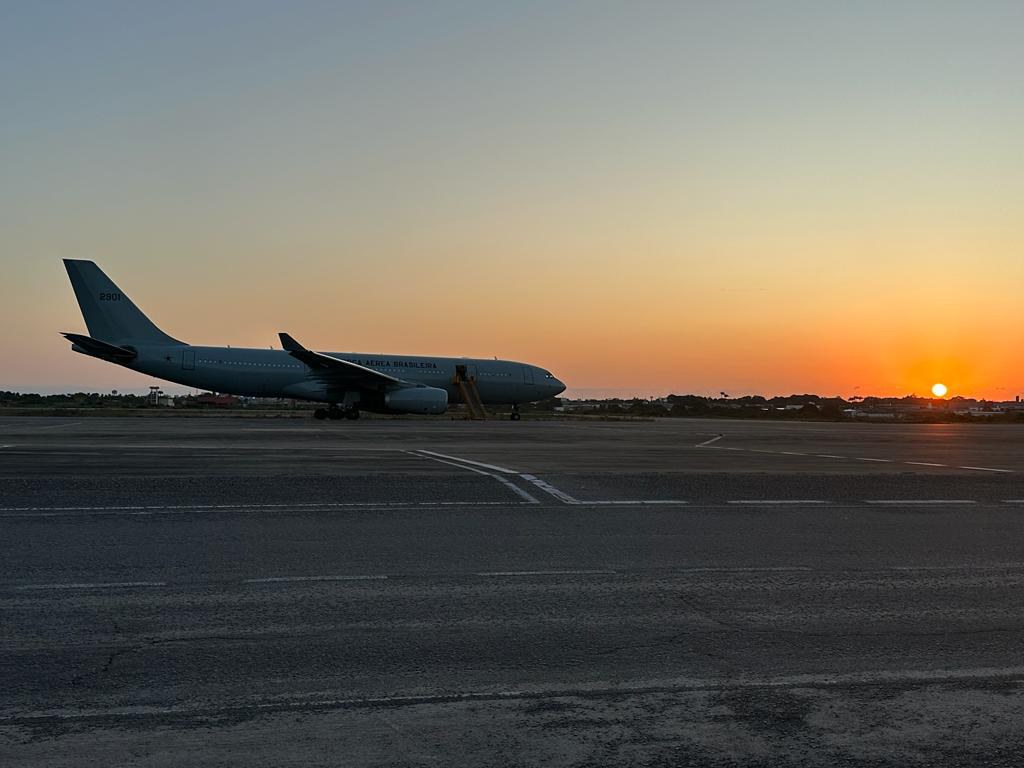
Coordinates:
<point>108,312</point>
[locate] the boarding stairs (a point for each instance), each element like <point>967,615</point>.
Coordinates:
<point>470,394</point>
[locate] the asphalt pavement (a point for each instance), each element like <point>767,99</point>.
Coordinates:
<point>222,591</point>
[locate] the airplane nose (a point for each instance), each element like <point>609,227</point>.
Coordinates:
<point>557,387</point>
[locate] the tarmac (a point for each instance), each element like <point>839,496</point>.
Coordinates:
<point>410,592</point>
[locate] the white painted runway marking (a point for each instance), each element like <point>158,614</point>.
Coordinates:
<point>182,509</point>
<point>634,502</point>
<point>507,483</point>
<point>286,579</point>
<point>714,439</point>
<point>959,568</point>
<point>919,501</point>
<point>751,569</point>
<point>11,445</point>
<point>846,458</point>
<point>504,470</point>
<point>545,486</point>
<point>779,501</point>
<point>57,426</point>
<point>96,585</point>
<point>545,573</point>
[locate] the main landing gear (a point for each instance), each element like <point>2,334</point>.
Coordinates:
<point>334,413</point>
<point>515,413</point>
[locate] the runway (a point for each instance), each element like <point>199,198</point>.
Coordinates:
<point>409,592</point>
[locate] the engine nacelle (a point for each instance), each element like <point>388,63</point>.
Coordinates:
<point>429,400</point>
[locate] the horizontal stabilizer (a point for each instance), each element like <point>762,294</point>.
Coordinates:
<point>96,348</point>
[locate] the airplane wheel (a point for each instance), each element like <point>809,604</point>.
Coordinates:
<point>334,414</point>
<point>320,414</point>
<point>515,416</point>
<point>352,414</point>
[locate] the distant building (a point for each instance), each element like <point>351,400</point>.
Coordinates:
<point>218,401</point>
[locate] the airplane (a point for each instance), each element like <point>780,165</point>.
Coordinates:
<point>346,382</point>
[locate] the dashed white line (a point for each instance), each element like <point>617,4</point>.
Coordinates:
<point>958,568</point>
<point>504,470</point>
<point>95,585</point>
<point>548,488</point>
<point>182,509</point>
<point>778,501</point>
<point>714,439</point>
<point>855,458</point>
<point>286,579</point>
<point>634,502</point>
<point>751,569</point>
<point>901,502</point>
<point>546,573</point>
<point>10,445</point>
<point>56,426</point>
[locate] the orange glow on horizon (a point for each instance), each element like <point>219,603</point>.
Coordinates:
<point>757,233</point>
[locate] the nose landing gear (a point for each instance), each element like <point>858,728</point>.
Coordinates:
<point>515,413</point>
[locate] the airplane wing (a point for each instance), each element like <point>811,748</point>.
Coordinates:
<point>336,369</point>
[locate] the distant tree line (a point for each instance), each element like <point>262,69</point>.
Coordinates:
<point>793,407</point>
<point>797,406</point>
<point>76,399</point>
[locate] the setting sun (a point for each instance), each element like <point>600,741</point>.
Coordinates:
<point>939,390</point>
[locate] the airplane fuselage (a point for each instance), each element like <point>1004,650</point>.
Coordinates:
<point>275,373</point>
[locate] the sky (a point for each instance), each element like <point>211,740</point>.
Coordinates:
<point>643,197</point>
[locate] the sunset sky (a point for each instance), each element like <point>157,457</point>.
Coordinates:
<point>751,197</point>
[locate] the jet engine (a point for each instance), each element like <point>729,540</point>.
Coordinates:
<point>429,400</point>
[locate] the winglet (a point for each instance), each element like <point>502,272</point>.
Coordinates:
<point>299,352</point>
<point>289,344</point>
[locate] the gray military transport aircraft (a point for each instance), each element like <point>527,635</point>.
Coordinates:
<point>120,333</point>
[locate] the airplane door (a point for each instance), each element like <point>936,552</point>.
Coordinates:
<point>188,360</point>
<point>527,375</point>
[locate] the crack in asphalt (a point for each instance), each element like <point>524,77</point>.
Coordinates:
<point>145,644</point>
